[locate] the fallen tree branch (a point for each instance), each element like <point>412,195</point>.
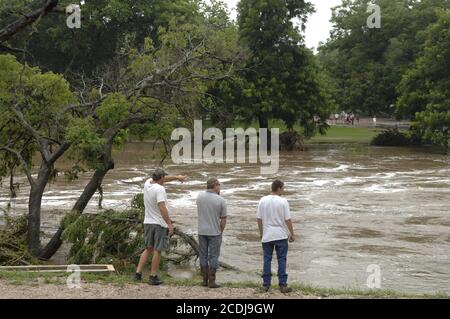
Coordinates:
<point>190,240</point>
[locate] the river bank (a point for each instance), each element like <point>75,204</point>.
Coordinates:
<point>38,290</point>
<point>20,285</point>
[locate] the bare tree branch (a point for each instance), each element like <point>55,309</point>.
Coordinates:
<point>39,140</point>
<point>22,162</point>
<point>59,9</point>
<point>4,48</point>
<point>75,106</point>
<point>134,119</point>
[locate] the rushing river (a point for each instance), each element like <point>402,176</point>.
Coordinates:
<point>353,206</point>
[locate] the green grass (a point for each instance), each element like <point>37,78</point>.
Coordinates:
<point>335,134</point>
<point>34,278</point>
<point>345,134</point>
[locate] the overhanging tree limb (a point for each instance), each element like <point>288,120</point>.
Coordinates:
<point>26,20</point>
<point>4,48</point>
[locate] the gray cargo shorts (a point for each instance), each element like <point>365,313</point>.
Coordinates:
<point>156,237</point>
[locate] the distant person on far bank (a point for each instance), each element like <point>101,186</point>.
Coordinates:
<point>158,227</point>
<point>275,230</point>
<point>212,219</point>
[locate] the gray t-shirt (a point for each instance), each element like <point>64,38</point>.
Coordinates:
<point>211,207</point>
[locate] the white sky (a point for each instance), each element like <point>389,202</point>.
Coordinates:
<point>319,26</point>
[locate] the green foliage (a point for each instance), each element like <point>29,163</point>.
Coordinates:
<point>209,48</point>
<point>39,95</point>
<point>106,237</point>
<point>40,98</point>
<point>138,201</point>
<point>392,137</point>
<point>282,79</point>
<point>425,93</point>
<point>105,24</point>
<point>87,145</point>
<point>113,109</point>
<point>121,139</point>
<point>433,124</point>
<point>367,64</point>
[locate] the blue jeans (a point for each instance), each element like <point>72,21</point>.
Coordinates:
<point>281,248</point>
<point>209,250</point>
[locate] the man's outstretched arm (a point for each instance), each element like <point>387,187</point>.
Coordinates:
<point>180,178</point>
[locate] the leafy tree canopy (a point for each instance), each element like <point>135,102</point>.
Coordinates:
<point>367,64</point>
<point>425,88</point>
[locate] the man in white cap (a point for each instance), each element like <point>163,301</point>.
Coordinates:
<point>158,227</point>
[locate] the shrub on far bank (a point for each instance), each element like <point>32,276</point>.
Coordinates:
<point>394,137</point>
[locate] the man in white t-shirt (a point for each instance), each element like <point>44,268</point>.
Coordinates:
<point>158,227</point>
<point>275,229</point>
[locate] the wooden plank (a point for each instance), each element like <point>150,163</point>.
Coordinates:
<point>59,268</point>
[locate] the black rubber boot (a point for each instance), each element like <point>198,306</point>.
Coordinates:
<point>212,279</point>
<point>285,289</point>
<point>205,275</point>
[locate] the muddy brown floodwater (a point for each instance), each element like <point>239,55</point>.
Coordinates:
<point>353,206</point>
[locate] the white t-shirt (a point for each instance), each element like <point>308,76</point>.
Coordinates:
<point>154,194</point>
<point>274,212</point>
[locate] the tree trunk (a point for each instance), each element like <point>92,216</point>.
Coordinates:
<point>96,180</point>
<point>12,188</point>
<point>264,123</point>
<point>91,188</point>
<point>34,210</point>
<point>52,246</point>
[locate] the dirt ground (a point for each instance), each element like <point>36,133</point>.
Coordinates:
<point>40,290</point>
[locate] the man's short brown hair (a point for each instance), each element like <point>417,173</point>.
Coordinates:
<point>276,185</point>
<point>211,183</point>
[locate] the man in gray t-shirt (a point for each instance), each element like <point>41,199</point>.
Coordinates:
<point>212,214</point>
